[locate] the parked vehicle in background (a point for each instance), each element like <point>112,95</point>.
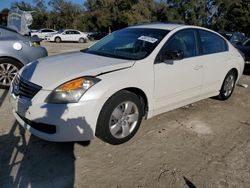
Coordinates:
<point>234,37</point>
<point>67,35</point>
<point>41,33</point>
<point>106,89</point>
<point>16,51</point>
<point>96,35</point>
<point>245,49</point>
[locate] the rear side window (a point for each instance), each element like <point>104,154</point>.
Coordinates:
<point>76,32</point>
<point>48,31</point>
<point>212,43</point>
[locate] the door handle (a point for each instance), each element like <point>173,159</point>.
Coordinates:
<point>198,67</point>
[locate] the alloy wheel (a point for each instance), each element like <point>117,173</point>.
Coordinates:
<point>123,119</point>
<point>229,85</point>
<point>7,73</point>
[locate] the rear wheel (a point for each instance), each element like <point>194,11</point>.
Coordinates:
<point>58,39</point>
<point>227,86</point>
<point>82,40</point>
<point>8,70</point>
<point>120,118</point>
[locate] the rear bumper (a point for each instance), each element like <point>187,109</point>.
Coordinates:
<point>247,67</point>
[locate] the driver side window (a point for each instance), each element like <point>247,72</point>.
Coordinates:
<point>183,41</point>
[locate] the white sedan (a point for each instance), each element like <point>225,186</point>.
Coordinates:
<point>41,33</point>
<point>136,72</point>
<point>68,35</point>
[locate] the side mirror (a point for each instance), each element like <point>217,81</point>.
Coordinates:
<point>63,33</point>
<point>172,55</point>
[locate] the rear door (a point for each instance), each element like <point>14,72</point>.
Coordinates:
<point>76,35</point>
<point>215,59</point>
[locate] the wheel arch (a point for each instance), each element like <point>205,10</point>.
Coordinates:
<point>236,72</point>
<point>12,58</point>
<point>57,37</point>
<point>141,94</point>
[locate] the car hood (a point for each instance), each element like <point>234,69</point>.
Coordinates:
<point>50,72</point>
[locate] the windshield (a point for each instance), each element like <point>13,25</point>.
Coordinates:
<point>130,43</point>
<point>60,31</point>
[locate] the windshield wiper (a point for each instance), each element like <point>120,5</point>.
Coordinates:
<point>105,54</point>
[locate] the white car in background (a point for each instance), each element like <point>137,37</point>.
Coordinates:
<point>106,89</point>
<point>41,33</point>
<point>67,35</point>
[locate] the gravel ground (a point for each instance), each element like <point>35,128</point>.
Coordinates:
<point>55,48</point>
<point>206,144</point>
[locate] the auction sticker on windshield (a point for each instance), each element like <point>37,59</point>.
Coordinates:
<point>148,39</point>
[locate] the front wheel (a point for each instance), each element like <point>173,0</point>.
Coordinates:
<point>227,86</point>
<point>58,39</point>
<point>120,118</point>
<point>8,70</point>
<point>82,40</point>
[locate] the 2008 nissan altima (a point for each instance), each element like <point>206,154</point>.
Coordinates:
<point>136,72</point>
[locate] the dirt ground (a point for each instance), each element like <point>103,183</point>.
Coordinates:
<point>206,144</point>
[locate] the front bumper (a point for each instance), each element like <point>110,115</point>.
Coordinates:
<point>47,38</point>
<point>68,122</point>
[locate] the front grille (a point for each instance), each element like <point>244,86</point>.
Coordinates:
<point>46,128</point>
<point>25,88</point>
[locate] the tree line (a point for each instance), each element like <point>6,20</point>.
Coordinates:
<point>102,15</point>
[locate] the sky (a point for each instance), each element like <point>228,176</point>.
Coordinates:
<point>7,3</point>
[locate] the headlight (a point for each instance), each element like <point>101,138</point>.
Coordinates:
<point>72,91</point>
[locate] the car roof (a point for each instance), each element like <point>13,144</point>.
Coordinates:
<point>45,28</point>
<point>71,30</point>
<point>8,29</point>
<point>157,25</point>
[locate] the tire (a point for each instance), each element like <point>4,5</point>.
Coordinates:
<point>120,118</point>
<point>58,40</point>
<point>228,86</point>
<point>81,40</point>
<point>8,69</point>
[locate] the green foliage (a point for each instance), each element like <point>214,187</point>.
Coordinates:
<point>102,15</point>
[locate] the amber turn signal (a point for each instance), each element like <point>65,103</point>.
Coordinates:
<point>72,85</point>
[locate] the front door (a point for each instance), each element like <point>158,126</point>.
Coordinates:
<point>67,36</point>
<point>178,81</point>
